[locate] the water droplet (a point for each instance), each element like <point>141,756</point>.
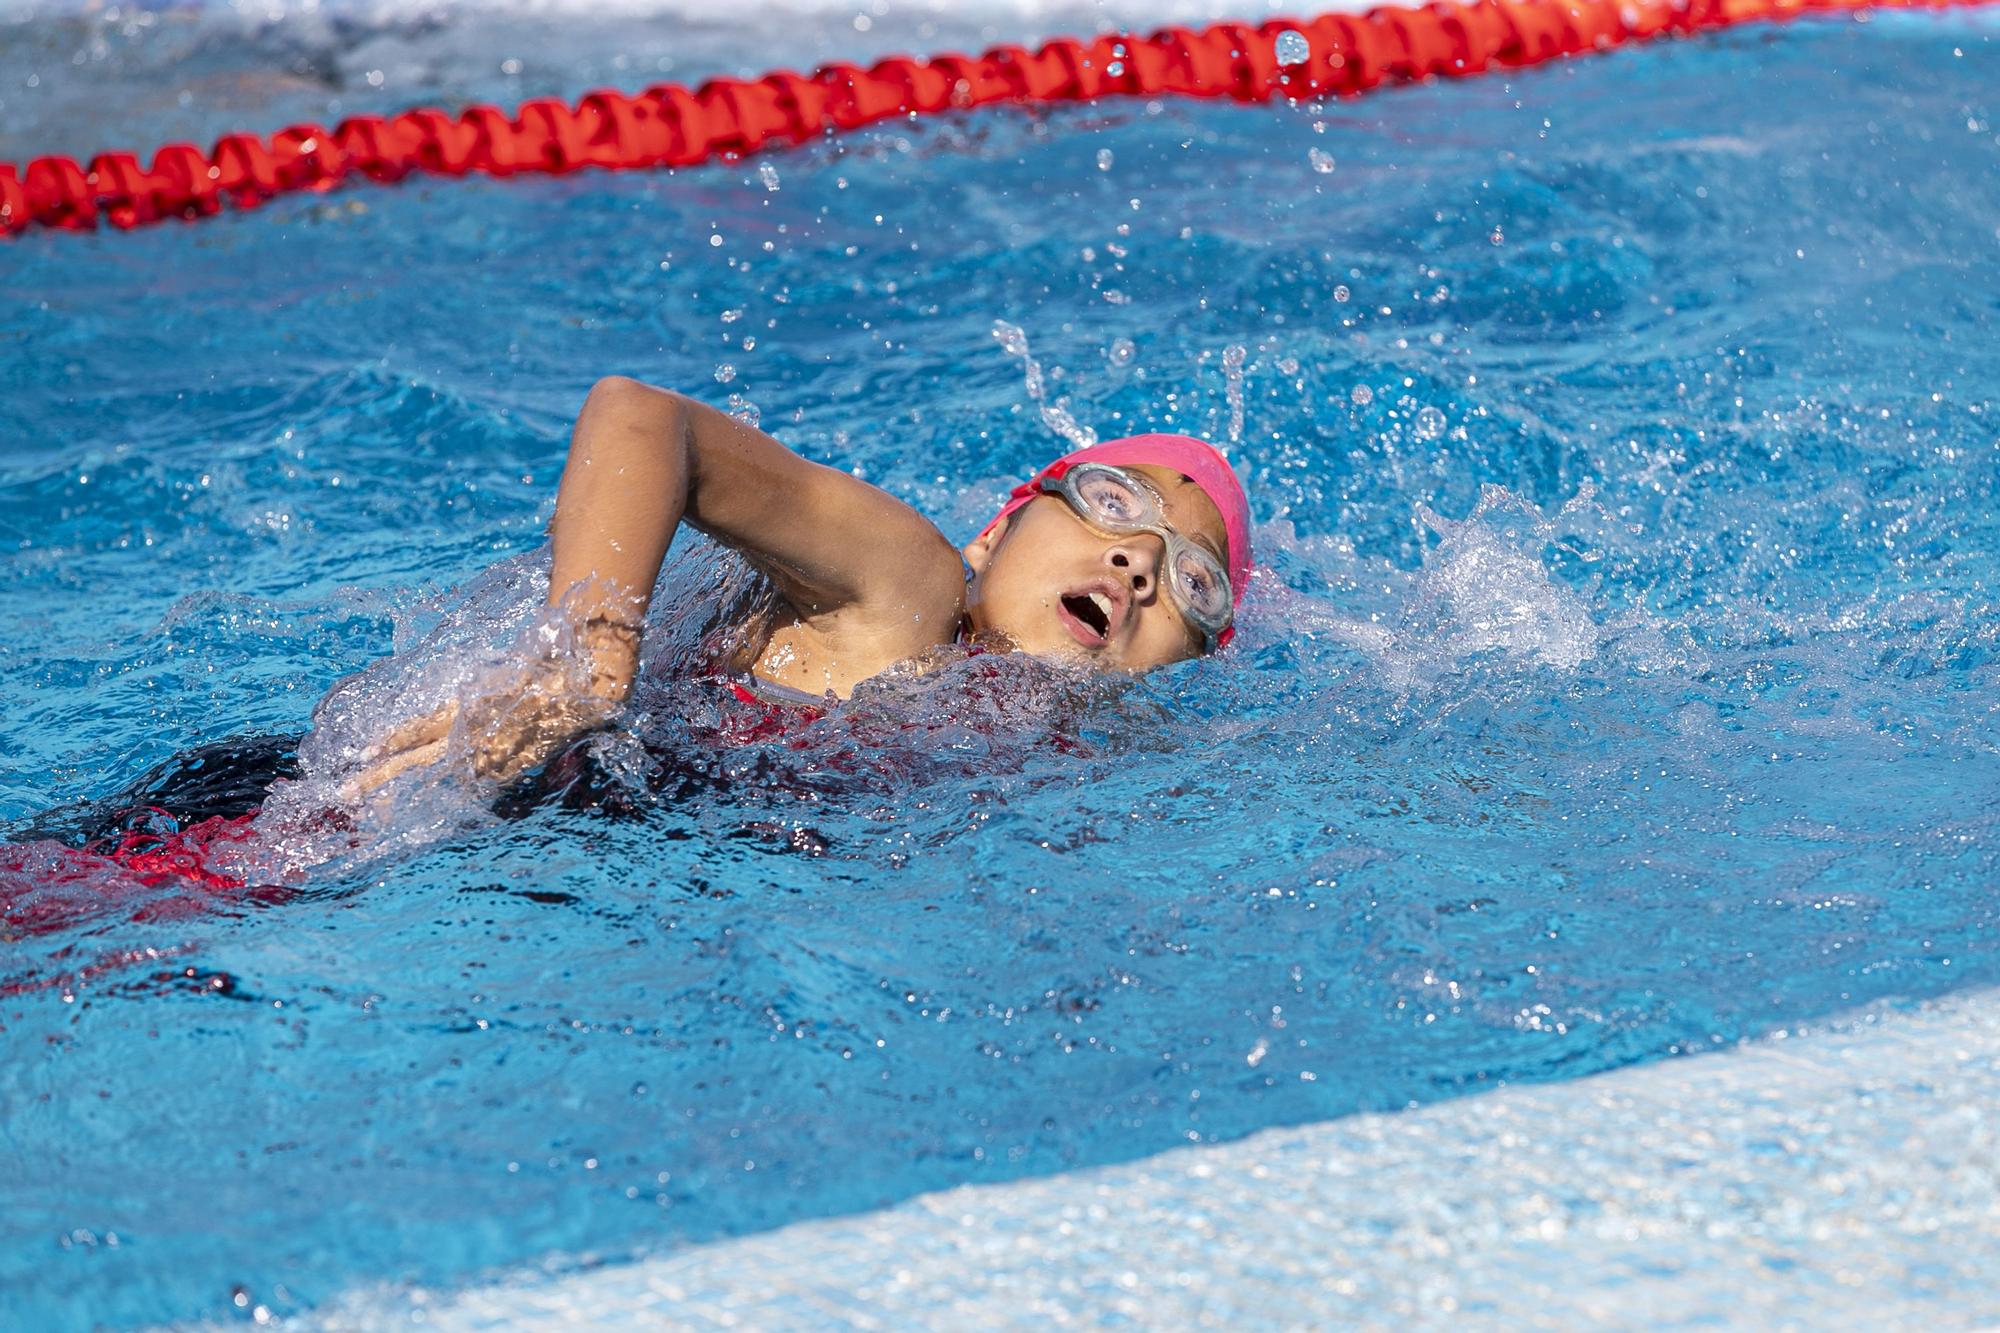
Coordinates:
<point>1322,161</point>
<point>1121,351</point>
<point>1104,159</point>
<point>1340,294</point>
<point>1232,378</point>
<point>1430,423</point>
<point>1498,237</point>
<point>724,373</point>
<point>1056,416</point>
<point>769,175</point>
<point>1292,48</point>
<point>1362,395</point>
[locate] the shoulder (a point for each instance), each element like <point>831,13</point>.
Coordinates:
<point>898,619</point>
<point>918,583</point>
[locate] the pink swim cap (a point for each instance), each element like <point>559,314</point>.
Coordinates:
<point>1194,459</point>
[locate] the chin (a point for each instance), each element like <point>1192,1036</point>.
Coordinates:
<point>1059,651</point>
<point>1063,654</point>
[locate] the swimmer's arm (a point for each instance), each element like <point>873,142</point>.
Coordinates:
<point>644,460</point>
<point>641,462</point>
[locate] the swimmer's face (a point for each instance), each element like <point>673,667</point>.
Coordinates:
<point>1058,588</point>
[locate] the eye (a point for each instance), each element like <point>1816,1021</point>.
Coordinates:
<point>1112,499</point>
<point>1201,585</point>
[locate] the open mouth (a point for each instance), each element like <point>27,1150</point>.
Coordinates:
<point>1089,616</point>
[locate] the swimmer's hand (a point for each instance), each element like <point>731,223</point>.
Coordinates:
<point>519,720</point>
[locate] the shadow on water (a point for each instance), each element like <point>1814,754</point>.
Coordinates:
<point>1618,684</point>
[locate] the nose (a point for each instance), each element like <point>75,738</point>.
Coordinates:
<point>1137,560</point>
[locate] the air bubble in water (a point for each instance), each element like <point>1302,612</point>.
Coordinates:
<point>1362,395</point>
<point>1322,161</point>
<point>1292,48</point>
<point>1340,294</point>
<point>1430,423</point>
<point>769,175</point>
<point>1104,159</point>
<point>724,373</point>
<point>1121,351</point>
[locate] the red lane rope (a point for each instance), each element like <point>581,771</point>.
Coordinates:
<point>672,126</point>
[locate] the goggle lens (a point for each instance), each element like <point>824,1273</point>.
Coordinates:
<point>1203,587</point>
<point>1114,500</point>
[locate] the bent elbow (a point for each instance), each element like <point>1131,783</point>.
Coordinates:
<point>620,397</point>
<point>620,389</point>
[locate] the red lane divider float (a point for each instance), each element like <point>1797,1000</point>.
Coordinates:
<point>669,125</point>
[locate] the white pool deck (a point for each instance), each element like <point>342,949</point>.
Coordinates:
<point>1846,1178</point>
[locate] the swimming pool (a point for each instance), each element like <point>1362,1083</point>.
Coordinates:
<point>1620,685</point>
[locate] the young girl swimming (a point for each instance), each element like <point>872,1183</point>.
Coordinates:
<point>1122,556</point>
<point>1119,557</point>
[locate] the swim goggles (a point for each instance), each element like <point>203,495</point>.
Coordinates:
<point>1118,503</point>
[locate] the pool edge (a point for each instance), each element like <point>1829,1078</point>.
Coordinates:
<point>1795,1177</point>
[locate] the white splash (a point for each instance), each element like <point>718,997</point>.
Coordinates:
<point>1484,588</point>
<point>491,628</point>
<point>1055,415</point>
<point>1491,598</point>
<point>1232,388</point>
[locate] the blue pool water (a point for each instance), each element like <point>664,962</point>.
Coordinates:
<point>1624,440</point>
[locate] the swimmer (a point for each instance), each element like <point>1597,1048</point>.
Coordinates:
<point>1123,556</point>
<point>1120,557</point>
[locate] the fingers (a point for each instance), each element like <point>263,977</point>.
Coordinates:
<point>498,737</point>
<point>415,756</point>
<point>418,731</point>
<point>535,728</point>
<point>417,742</point>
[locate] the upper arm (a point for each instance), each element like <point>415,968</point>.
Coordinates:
<point>831,542</point>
